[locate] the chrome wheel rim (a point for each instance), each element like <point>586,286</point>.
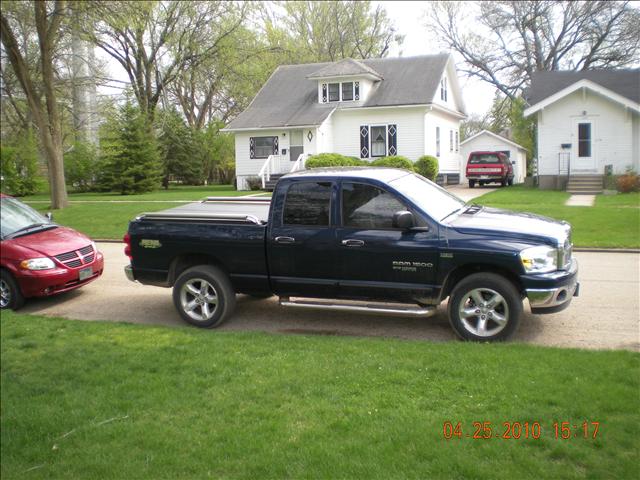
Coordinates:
<point>483,312</point>
<point>5,294</point>
<point>199,299</point>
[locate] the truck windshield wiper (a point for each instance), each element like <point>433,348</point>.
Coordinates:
<point>451,213</point>
<point>29,228</point>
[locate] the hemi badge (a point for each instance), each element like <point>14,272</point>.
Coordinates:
<point>150,243</point>
<point>446,255</point>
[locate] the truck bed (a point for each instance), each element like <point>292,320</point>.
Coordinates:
<point>218,209</point>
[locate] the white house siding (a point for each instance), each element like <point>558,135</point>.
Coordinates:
<point>612,136</point>
<point>449,162</point>
<point>365,87</point>
<point>489,143</point>
<point>249,167</point>
<point>409,121</point>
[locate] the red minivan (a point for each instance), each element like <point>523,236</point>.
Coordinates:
<point>39,258</point>
<point>487,167</point>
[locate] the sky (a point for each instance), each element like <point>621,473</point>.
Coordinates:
<point>408,18</point>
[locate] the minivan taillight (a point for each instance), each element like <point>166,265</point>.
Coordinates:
<point>127,245</point>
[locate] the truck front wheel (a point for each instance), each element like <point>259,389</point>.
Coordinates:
<point>204,296</point>
<point>485,307</point>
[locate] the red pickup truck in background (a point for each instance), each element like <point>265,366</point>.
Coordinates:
<point>39,258</point>
<point>488,167</point>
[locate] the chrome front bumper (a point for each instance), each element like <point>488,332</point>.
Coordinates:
<point>550,300</point>
<point>128,271</point>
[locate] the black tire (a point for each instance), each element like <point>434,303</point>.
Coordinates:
<point>472,183</point>
<point>10,294</point>
<point>503,182</point>
<point>199,286</point>
<point>509,308</point>
<point>510,181</point>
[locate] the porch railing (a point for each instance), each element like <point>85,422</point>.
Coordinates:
<point>299,163</point>
<point>272,165</point>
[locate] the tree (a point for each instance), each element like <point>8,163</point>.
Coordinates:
<point>314,31</point>
<point>131,160</point>
<point>180,156</point>
<point>19,165</point>
<point>38,83</point>
<point>157,42</point>
<point>508,41</point>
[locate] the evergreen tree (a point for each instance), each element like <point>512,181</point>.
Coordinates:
<point>180,154</point>
<point>130,154</point>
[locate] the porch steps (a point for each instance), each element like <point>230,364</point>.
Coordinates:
<point>271,184</point>
<point>585,184</point>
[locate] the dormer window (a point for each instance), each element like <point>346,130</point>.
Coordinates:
<point>340,92</point>
<point>347,91</point>
<point>334,92</point>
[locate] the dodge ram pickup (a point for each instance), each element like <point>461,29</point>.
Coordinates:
<point>376,240</point>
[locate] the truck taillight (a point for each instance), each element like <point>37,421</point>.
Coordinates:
<point>127,245</point>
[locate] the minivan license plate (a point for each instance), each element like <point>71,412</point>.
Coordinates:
<point>85,273</point>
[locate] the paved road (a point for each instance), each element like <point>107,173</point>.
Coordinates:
<point>606,315</point>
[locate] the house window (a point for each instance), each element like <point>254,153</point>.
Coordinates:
<point>437,141</point>
<point>264,146</point>
<point>334,92</point>
<point>443,89</point>
<point>347,91</point>
<point>584,140</point>
<point>450,141</point>
<point>378,141</point>
<point>457,141</point>
<point>308,203</point>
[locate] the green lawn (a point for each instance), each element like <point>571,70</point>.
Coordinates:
<point>614,221</point>
<point>101,400</point>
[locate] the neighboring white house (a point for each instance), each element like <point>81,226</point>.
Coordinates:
<point>587,120</point>
<point>410,106</point>
<point>486,141</point>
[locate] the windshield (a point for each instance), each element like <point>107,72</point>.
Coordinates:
<point>429,197</point>
<point>15,216</point>
<point>484,158</point>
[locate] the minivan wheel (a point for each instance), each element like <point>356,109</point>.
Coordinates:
<point>10,294</point>
<point>485,307</point>
<point>204,296</point>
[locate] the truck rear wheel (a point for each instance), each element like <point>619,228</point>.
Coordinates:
<point>485,307</point>
<point>204,296</point>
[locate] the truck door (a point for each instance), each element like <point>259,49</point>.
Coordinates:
<point>379,261</point>
<point>301,239</point>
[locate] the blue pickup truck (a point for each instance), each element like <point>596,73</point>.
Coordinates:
<point>376,240</point>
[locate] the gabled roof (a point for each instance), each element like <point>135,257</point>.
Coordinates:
<point>345,68</point>
<point>290,99</point>
<point>496,136</point>
<point>622,86</point>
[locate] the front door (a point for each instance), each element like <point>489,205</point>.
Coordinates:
<point>296,145</point>
<point>377,260</point>
<point>584,155</point>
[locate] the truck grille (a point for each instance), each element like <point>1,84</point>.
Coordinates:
<point>77,258</point>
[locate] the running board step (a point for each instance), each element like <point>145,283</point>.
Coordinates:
<point>393,309</point>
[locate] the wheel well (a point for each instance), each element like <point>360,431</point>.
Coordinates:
<point>465,270</point>
<point>183,262</point>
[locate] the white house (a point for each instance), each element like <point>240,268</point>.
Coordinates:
<point>486,141</point>
<point>586,121</point>
<point>371,108</point>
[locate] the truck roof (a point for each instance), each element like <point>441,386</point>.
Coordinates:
<point>375,173</point>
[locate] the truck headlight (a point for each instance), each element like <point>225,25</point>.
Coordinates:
<point>37,264</point>
<point>539,259</point>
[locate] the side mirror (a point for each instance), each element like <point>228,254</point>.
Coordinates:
<point>49,216</point>
<point>403,220</point>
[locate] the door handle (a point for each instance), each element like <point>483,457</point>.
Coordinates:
<point>350,242</point>
<point>285,240</point>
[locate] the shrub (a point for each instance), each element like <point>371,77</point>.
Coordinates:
<point>395,161</point>
<point>254,183</point>
<point>629,182</point>
<point>80,166</point>
<point>19,166</point>
<point>332,160</point>
<point>427,166</point>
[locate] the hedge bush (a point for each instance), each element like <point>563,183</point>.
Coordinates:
<point>332,160</point>
<point>427,166</point>
<point>395,161</point>
<point>629,182</point>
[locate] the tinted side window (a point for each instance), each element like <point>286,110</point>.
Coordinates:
<point>307,203</point>
<point>366,206</point>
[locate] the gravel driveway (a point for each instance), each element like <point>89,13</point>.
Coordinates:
<point>606,315</point>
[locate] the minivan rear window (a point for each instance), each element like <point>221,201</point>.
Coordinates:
<point>480,158</point>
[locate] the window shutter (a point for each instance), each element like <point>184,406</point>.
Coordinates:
<point>357,92</point>
<point>252,148</point>
<point>324,93</point>
<point>392,143</point>
<point>364,141</point>
<point>275,145</point>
